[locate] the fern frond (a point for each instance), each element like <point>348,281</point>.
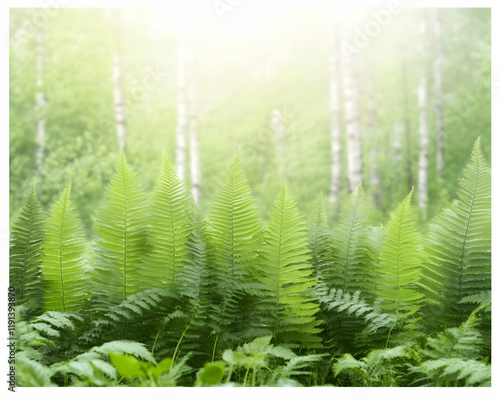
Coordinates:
<point>320,242</point>
<point>121,225</point>
<point>457,372</point>
<point>350,321</point>
<point>234,223</point>
<point>26,241</point>
<point>236,232</point>
<point>459,245</point>
<point>352,263</point>
<point>399,262</point>
<point>286,274</point>
<point>64,263</point>
<point>169,227</point>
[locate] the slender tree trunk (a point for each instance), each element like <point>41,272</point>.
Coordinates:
<point>423,131</point>
<point>118,93</point>
<point>407,127</point>
<point>438,82</point>
<point>279,132</point>
<point>336,130</point>
<point>41,102</point>
<point>181,130</point>
<point>374,157</point>
<point>194,145</point>
<point>352,120</point>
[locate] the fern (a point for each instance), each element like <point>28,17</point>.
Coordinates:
<point>459,245</point>
<point>169,226</point>
<point>399,263</point>
<point>457,372</point>
<point>286,275</point>
<point>320,242</point>
<point>352,264</point>
<point>350,322</point>
<point>26,241</point>
<point>121,226</point>
<point>64,263</point>
<point>381,367</point>
<point>236,231</point>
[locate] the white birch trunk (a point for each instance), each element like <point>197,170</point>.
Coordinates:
<point>352,121</point>
<point>118,94</point>
<point>194,145</point>
<point>438,82</point>
<point>336,131</point>
<point>181,129</point>
<point>41,102</point>
<point>423,131</point>
<point>279,132</point>
<point>374,156</point>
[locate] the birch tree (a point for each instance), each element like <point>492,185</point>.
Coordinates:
<point>423,131</point>
<point>407,127</point>
<point>438,87</point>
<point>41,102</point>
<point>194,145</point>
<point>181,129</point>
<point>352,120</point>
<point>374,155</point>
<point>335,130</point>
<point>118,92</point>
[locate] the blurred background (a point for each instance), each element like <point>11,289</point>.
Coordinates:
<point>323,99</point>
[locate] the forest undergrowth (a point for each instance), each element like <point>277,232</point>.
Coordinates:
<point>169,296</point>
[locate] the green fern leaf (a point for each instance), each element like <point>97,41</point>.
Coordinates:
<point>26,241</point>
<point>320,242</point>
<point>121,225</point>
<point>352,263</point>
<point>64,263</point>
<point>286,274</point>
<point>459,245</point>
<point>169,227</point>
<point>399,262</point>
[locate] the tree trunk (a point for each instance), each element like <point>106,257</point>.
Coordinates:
<point>118,93</point>
<point>407,128</point>
<point>41,102</point>
<point>423,159</point>
<point>352,120</point>
<point>374,157</point>
<point>194,145</point>
<point>336,130</point>
<point>438,82</point>
<point>181,130</point>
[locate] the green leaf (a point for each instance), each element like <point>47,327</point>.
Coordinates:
<point>211,374</point>
<point>121,225</point>
<point>64,248</point>
<point>26,241</point>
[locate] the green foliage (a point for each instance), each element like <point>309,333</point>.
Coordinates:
<point>320,242</point>
<point>233,282</point>
<point>236,231</point>
<point>64,262</point>
<point>350,321</point>
<point>378,368</point>
<point>26,241</point>
<point>399,263</point>
<point>459,245</point>
<point>286,274</point>
<point>121,225</point>
<point>352,265</point>
<point>169,231</point>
